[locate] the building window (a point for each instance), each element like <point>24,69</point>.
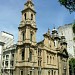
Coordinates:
<point>39,72</point>
<point>23,36</point>
<point>7,57</point>
<point>47,58</point>
<point>23,52</point>
<point>25,16</point>
<point>12,63</point>
<point>21,72</point>
<point>3,63</point>
<point>31,37</point>
<point>54,43</point>
<point>48,72</point>
<point>39,52</point>
<point>39,62</point>
<point>31,16</point>
<point>11,71</point>
<point>30,55</point>
<point>50,59</point>
<point>54,72</point>
<point>53,60</point>
<point>30,72</point>
<point>12,56</point>
<point>6,63</point>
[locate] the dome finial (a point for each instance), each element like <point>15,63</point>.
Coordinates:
<point>29,0</point>
<point>48,31</point>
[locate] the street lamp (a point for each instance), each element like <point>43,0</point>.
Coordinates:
<point>64,71</point>
<point>39,69</point>
<point>33,69</point>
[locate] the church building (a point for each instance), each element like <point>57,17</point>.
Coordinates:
<point>47,57</point>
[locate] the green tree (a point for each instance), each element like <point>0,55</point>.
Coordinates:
<point>73,28</point>
<point>72,66</point>
<point>69,4</point>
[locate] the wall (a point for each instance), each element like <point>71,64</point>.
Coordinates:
<point>66,30</point>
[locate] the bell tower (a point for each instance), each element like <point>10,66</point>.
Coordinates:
<point>27,27</point>
<point>26,46</point>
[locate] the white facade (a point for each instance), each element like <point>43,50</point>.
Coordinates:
<point>8,60</point>
<point>1,48</point>
<point>7,38</point>
<point>0,58</point>
<point>66,30</point>
<point>0,51</point>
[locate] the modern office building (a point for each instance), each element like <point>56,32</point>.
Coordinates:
<point>67,31</point>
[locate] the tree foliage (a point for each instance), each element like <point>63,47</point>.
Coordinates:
<point>73,28</point>
<point>69,4</point>
<point>72,66</point>
<point>72,61</point>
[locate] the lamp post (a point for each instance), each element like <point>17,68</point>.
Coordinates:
<point>64,71</point>
<point>33,70</point>
<point>39,69</point>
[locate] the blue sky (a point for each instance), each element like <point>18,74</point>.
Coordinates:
<point>49,14</point>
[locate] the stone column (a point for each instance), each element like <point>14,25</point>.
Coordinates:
<point>67,67</point>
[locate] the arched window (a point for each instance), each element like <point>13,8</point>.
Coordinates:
<point>30,72</point>
<point>30,55</point>
<point>21,72</point>
<point>50,59</point>
<point>23,36</point>
<point>23,54</point>
<point>39,52</point>
<point>54,43</point>
<point>54,72</point>
<point>48,72</point>
<point>53,60</point>
<point>47,59</point>
<point>25,16</point>
<point>31,16</point>
<point>31,37</point>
